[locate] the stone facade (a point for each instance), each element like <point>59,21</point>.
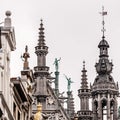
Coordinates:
<point>15,98</point>
<point>8,44</point>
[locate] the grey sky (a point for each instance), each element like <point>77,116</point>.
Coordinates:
<point>72,32</point>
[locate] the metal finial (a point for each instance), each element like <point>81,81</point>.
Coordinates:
<point>8,13</point>
<point>103,13</point>
<point>41,34</point>
<point>26,48</point>
<point>41,24</point>
<point>41,20</point>
<point>84,64</point>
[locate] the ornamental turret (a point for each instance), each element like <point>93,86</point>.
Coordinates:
<point>84,95</point>
<point>104,66</point>
<point>104,90</point>
<point>41,51</point>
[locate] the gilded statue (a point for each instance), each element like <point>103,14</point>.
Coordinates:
<point>39,115</point>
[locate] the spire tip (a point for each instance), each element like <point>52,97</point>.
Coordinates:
<point>41,20</point>
<point>83,64</point>
<point>103,13</point>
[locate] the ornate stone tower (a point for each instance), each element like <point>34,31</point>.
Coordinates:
<point>84,94</point>
<point>104,90</point>
<point>43,92</point>
<point>41,70</point>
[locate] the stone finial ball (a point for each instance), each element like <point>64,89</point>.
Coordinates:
<point>8,13</point>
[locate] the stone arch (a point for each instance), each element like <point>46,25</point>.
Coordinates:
<point>104,102</point>
<point>96,103</point>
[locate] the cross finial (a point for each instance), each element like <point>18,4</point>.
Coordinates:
<point>103,13</point>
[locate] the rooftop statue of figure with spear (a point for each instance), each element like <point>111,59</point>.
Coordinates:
<point>56,63</point>
<point>69,83</point>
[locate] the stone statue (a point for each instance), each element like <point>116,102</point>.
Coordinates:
<point>26,54</point>
<point>56,63</point>
<point>69,82</point>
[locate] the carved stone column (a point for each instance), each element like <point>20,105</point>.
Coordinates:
<point>108,107</point>
<point>115,109</point>
<point>94,110</point>
<point>99,108</point>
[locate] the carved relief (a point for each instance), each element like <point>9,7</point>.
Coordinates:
<point>56,116</point>
<point>60,116</point>
<point>50,101</point>
<point>51,116</point>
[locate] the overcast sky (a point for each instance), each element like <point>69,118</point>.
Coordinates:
<point>72,32</point>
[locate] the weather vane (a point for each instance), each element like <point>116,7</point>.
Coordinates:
<point>103,13</point>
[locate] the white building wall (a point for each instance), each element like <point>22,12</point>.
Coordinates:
<point>7,41</point>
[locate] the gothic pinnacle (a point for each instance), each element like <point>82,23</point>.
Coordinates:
<point>84,77</point>
<point>83,65</point>
<point>41,35</point>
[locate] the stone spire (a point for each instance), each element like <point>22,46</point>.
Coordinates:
<point>41,51</point>
<point>41,70</point>
<point>41,40</point>
<point>84,83</point>
<point>84,95</point>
